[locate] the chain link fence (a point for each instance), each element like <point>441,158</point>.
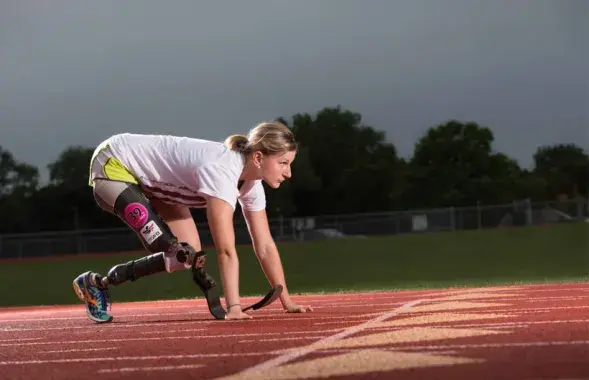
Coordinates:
<point>517,213</point>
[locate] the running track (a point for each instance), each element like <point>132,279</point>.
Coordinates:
<point>519,332</point>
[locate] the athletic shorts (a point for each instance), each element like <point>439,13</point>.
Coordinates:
<point>104,165</point>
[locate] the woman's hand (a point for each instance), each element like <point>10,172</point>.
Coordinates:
<point>294,308</point>
<point>235,312</point>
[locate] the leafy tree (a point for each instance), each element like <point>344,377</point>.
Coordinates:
<point>71,169</point>
<point>454,165</point>
<point>66,202</point>
<point>564,168</point>
<point>531,186</point>
<point>16,177</point>
<point>18,182</point>
<point>356,167</point>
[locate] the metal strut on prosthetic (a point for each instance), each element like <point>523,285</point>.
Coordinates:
<point>169,254</point>
<point>207,285</point>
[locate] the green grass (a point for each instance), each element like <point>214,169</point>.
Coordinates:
<point>448,259</point>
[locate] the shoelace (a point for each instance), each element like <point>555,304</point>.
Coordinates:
<point>104,297</point>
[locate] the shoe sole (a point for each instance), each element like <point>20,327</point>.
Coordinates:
<point>93,318</point>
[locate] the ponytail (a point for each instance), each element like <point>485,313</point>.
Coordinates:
<point>237,143</point>
<point>266,137</point>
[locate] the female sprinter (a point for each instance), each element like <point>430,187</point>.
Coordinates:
<point>151,181</point>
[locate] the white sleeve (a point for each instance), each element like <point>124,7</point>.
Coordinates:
<point>253,199</point>
<point>218,182</point>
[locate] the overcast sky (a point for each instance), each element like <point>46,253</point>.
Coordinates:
<point>79,71</point>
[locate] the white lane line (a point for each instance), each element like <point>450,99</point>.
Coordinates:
<point>282,339</point>
<point>298,352</point>
<point>164,331</point>
<point>76,309</point>
<point>347,321</point>
<point>150,324</point>
<point>122,315</point>
<point>458,347</point>
<point>146,358</point>
<point>86,341</point>
<point>149,369</point>
<point>78,350</point>
<point>19,339</point>
<point>555,298</point>
<point>250,334</point>
<point>491,325</point>
<point>522,323</point>
<point>149,338</point>
<point>299,318</point>
<point>515,311</point>
<point>490,345</point>
<point>100,328</point>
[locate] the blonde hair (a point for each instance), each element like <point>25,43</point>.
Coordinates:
<point>266,137</point>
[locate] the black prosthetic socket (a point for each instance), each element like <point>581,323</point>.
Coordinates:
<point>135,269</point>
<point>133,208</point>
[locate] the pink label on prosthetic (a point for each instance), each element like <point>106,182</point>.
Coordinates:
<point>136,214</point>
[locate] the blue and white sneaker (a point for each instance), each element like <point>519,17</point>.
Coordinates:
<point>96,298</point>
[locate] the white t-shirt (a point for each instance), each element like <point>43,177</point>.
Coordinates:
<point>183,170</point>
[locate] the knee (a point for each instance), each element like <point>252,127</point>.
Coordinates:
<point>227,253</point>
<point>103,204</point>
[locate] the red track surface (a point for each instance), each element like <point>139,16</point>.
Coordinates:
<point>520,332</point>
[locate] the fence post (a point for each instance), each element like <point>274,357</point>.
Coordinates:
<point>452,219</point>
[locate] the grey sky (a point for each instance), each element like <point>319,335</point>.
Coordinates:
<point>79,71</point>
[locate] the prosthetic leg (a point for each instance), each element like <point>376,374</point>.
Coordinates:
<point>168,254</point>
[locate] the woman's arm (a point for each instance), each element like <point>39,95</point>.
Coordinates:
<point>268,256</point>
<point>220,218</point>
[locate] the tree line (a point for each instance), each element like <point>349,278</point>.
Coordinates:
<point>343,166</point>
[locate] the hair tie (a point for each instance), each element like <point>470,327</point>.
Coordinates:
<point>241,145</point>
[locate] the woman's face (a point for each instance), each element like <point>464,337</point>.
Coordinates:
<point>275,168</point>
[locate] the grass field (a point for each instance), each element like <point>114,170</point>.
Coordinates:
<point>463,258</point>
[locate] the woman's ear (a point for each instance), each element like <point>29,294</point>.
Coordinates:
<point>257,157</point>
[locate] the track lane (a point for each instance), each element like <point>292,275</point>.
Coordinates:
<point>500,332</point>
